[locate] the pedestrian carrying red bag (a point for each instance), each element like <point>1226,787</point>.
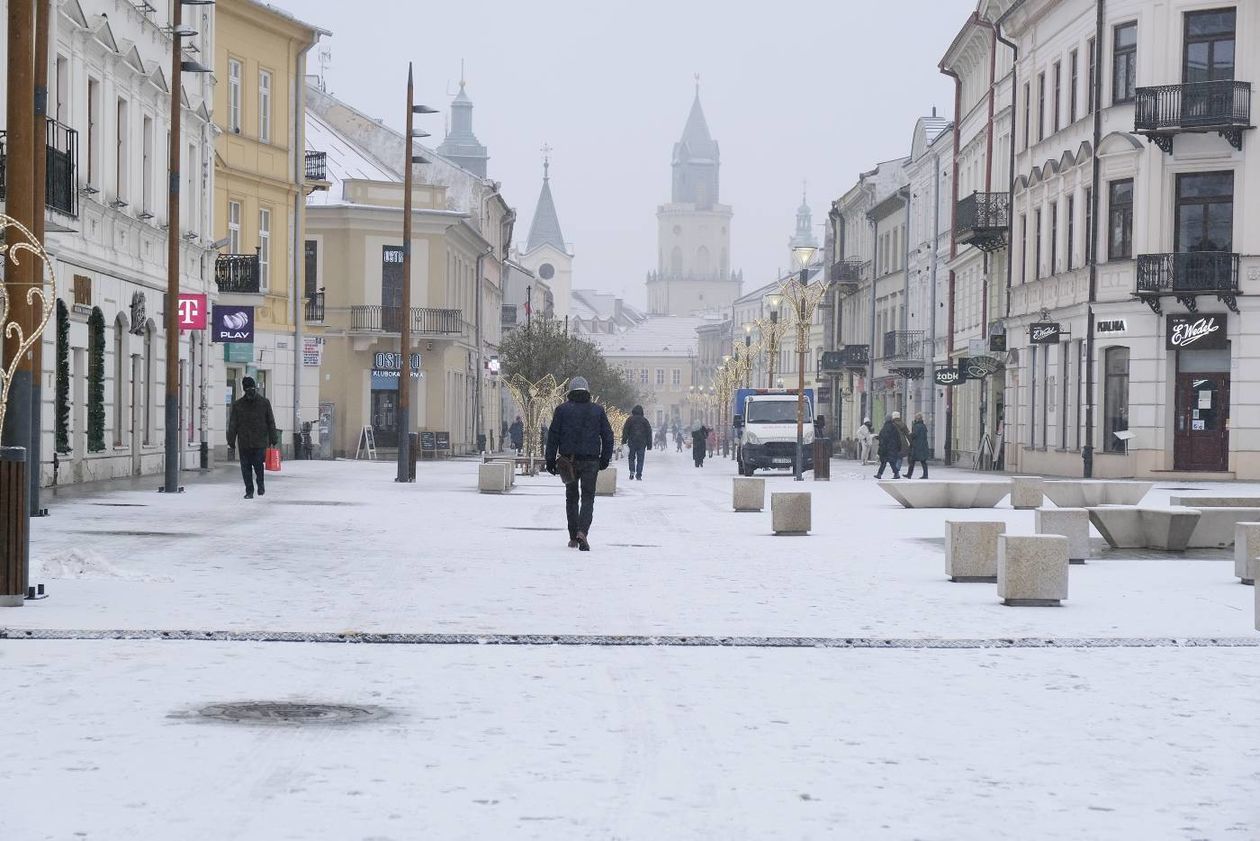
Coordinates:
<point>272,460</point>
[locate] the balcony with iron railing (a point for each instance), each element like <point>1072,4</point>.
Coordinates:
<point>983,220</point>
<point>1161,113</point>
<point>904,345</point>
<point>238,273</point>
<point>846,275</point>
<point>1186,275</point>
<point>315,308</point>
<point>62,160</point>
<point>316,166</point>
<point>425,321</point>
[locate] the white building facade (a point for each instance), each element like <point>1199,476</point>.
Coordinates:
<point>1132,316</point>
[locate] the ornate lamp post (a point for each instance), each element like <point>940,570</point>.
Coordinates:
<point>802,300</point>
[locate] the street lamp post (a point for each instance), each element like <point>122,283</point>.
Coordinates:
<point>804,300</point>
<point>178,66</point>
<point>404,326</point>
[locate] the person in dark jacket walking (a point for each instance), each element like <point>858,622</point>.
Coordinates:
<point>918,446</point>
<point>891,446</point>
<point>517,431</point>
<point>252,425</point>
<point>699,440</point>
<point>580,432</point>
<point>636,434</point>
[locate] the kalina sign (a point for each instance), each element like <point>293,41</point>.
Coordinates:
<point>1197,331</point>
<point>1044,333</point>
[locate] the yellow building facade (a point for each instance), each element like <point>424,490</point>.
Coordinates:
<point>262,177</point>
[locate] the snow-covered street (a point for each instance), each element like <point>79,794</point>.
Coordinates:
<point>609,742</point>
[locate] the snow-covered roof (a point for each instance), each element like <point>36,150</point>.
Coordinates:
<point>665,335</point>
<point>345,161</point>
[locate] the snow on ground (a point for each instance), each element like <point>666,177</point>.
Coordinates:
<point>582,742</point>
<point>339,546</point>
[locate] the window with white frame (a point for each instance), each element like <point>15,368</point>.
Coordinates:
<point>660,376</point>
<point>234,95</point>
<point>264,106</point>
<point>676,377</point>
<point>234,227</point>
<point>264,248</point>
<point>643,376</point>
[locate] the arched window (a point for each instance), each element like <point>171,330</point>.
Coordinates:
<point>96,381</point>
<point>676,261</point>
<point>703,261</point>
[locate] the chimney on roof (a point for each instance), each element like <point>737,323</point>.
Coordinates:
<point>933,110</point>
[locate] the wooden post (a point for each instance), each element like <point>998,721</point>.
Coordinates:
<point>14,546</point>
<point>38,215</point>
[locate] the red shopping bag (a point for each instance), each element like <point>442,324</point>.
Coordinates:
<point>272,461</point>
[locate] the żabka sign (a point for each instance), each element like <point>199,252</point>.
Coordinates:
<point>1197,331</point>
<point>233,325</point>
<point>947,376</point>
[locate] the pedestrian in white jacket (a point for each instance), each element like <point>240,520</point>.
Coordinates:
<point>864,437</point>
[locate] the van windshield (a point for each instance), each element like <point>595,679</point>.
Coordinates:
<point>773,411</point>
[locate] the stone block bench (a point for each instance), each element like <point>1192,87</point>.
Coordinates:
<point>1216,501</point>
<point>509,462</point>
<point>1131,527</point>
<point>1072,523</point>
<point>1217,526</point>
<point>494,477</point>
<point>790,513</point>
<point>1090,493</point>
<point>749,494</point>
<point>1027,492</point>
<point>1032,570</point>
<point>1246,548</point>
<point>606,482</point>
<point>932,493</point>
<point>971,550</point>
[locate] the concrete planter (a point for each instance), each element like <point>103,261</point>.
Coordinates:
<point>606,482</point>
<point>971,550</point>
<point>1026,492</point>
<point>749,494</point>
<point>1032,571</point>
<point>790,513</point>
<point>1072,523</point>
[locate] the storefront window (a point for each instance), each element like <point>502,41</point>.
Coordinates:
<point>1116,399</point>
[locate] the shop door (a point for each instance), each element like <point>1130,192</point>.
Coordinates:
<point>385,418</point>
<point>1202,422</point>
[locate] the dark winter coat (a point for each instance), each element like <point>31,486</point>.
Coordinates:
<point>919,449</point>
<point>637,431</point>
<point>699,441</point>
<point>905,435</point>
<point>517,431</point>
<point>580,428</point>
<point>251,423</point>
<point>890,441</point>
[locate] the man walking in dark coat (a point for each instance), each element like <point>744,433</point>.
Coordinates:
<point>699,441</point>
<point>581,434</point>
<point>891,446</point>
<point>918,446</point>
<point>517,432</point>
<point>637,436</point>
<point>252,425</point>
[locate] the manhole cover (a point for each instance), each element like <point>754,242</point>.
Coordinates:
<point>291,714</point>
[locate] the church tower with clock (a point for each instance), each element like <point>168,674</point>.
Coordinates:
<point>546,253</point>
<point>693,270</point>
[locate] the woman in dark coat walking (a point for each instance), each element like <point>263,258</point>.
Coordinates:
<point>699,440</point>
<point>891,446</point>
<point>918,446</point>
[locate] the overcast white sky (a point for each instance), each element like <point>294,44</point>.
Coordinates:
<point>793,89</point>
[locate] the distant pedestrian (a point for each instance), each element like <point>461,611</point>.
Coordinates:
<point>678,439</point>
<point>891,446</point>
<point>918,446</point>
<point>517,433</point>
<point>252,425</point>
<point>660,439</point>
<point>579,445</point>
<point>636,434</point>
<point>699,439</point>
<point>865,432</point>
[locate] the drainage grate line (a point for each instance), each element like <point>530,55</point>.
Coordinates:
<point>625,640</point>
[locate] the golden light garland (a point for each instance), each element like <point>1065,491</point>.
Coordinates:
<point>10,251</point>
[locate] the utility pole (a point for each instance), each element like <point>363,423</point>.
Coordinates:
<point>38,215</point>
<point>404,321</point>
<point>19,278</point>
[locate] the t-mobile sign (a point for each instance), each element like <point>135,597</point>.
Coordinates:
<point>192,312</point>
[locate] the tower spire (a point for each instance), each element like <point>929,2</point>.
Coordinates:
<point>461,144</point>
<point>544,228</point>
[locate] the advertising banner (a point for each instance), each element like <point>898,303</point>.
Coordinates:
<point>233,325</point>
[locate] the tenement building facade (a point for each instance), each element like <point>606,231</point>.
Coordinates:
<point>1136,258</point>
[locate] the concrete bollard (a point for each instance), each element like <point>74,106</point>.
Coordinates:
<point>1072,523</point>
<point>749,494</point>
<point>492,478</point>
<point>971,550</point>
<point>790,513</point>
<point>1032,571</point>
<point>1027,492</point>
<point>606,482</point>
<point>1246,548</point>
